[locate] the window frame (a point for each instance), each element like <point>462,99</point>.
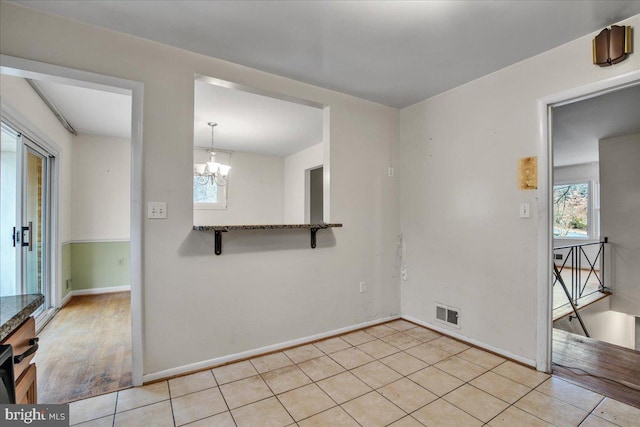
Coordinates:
<point>221,204</point>
<point>593,208</point>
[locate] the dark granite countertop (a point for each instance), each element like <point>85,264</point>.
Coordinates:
<point>261,227</point>
<point>16,309</point>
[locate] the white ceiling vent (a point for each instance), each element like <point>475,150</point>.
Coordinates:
<point>448,315</point>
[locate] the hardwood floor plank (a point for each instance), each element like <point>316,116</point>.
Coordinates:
<point>605,368</point>
<point>85,350</point>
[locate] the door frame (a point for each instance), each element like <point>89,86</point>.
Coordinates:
<point>25,68</point>
<point>28,145</point>
<point>544,310</point>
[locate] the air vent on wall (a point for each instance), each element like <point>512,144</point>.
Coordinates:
<point>448,315</point>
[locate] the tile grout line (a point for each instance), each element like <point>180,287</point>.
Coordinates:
<point>275,395</point>
<point>403,351</point>
<point>115,410</point>
<point>173,415</point>
<point>312,381</point>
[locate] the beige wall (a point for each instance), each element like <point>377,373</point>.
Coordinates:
<point>254,192</point>
<point>620,217</point>
<point>466,245</point>
<point>266,288</point>
<point>101,188</point>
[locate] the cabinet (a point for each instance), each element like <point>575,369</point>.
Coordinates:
<point>26,386</point>
<point>24,343</point>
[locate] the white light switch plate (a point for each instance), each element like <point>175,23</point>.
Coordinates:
<point>157,210</point>
<point>525,210</point>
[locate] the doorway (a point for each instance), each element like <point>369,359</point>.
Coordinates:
<point>21,68</point>
<point>315,196</point>
<point>577,226</point>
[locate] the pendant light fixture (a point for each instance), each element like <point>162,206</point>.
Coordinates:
<point>211,171</point>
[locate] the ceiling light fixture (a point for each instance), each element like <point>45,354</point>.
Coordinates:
<point>211,171</point>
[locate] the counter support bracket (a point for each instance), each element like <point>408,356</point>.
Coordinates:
<point>218,241</point>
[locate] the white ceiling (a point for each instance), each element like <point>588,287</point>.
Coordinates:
<point>90,111</point>
<point>253,123</point>
<point>247,122</point>
<point>392,52</point>
<point>577,127</point>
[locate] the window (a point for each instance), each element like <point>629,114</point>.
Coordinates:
<point>207,194</point>
<point>573,208</point>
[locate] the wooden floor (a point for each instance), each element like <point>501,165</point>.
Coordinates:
<point>85,350</point>
<point>608,369</point>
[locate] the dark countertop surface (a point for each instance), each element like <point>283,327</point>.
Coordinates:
<point>262,227</point>
<point>16,309</point>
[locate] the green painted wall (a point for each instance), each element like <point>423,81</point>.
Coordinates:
<point>66,269</point>
<point>100,264</point>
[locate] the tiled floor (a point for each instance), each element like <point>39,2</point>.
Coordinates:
<point>396,374</point>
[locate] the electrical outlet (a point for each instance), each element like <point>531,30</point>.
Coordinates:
<point>403,273</point>
<point>525,210</point>
<point>157,210</point>
<point>363,287</point>
<point>68,284</point>
<point>390,170</point>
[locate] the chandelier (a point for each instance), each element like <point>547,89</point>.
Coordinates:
<point>212,171</point>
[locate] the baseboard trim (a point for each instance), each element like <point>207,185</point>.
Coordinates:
<point>97,291</point>
<point>66,299</point>
<point>501,352</point>
<point>115,240</point>
<point>218,361</point>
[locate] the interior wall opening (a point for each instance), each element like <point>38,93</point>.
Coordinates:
<point>593,209</point>
<point>96,254</point>
<point>253,151</point>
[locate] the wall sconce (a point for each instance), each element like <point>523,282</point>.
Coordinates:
<point>612,45</point>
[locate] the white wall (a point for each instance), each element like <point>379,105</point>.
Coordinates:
<point>254,191</point>
<point>21,99</point>
<point>576,173</point>
<point>620,216</point>
<point>466,245</point>
<point>269,287</point>
<point>101,188</point>
<point>295,194</point>
<point>603,324</point>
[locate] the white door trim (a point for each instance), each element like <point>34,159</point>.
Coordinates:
<point>39,70</point>
<point>545,171</point>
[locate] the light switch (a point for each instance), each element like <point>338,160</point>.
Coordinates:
<point>525,210</point>
<point>157,210</point>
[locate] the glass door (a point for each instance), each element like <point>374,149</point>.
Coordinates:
<point>33,222</point>
<point>9,143</point>
<point>24,216</point>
